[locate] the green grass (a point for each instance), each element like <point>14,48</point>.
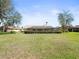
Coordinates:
<point>39,46</point>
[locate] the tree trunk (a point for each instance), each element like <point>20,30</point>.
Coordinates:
<point>5,27</point>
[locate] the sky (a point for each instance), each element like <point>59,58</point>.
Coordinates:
<point>37,12</point>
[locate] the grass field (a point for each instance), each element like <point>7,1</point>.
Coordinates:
<point>39,46</point>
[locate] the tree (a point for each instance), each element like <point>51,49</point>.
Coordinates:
<point>65,19</point>
<point>13,17</point>
<point>4,7</point>
<point>8,15</point>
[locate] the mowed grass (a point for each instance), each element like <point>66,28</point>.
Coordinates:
<point>39,46</point>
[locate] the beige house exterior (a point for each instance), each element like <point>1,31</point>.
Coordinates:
<point>13,28</point>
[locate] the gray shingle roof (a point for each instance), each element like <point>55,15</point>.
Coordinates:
<point>40,27</point>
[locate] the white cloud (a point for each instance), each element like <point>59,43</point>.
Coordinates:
<point>75,11</point>
<point>55,12</point>
<point>39,18</point>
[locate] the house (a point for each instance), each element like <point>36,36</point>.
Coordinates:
<point>41,29</point>
<point>49,29</point>
<point>13,28</point>
<point>74,28</point>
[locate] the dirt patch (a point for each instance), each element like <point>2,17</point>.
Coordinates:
<point>17,52</point>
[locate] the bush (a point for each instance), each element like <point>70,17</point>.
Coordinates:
<point>12,32</point>
<point>1,33</point>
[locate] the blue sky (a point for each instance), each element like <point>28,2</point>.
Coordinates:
<point>37,12</point>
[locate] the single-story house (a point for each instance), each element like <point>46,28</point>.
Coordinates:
<point>41,29</point>
<point>10,28</point>
<point>13,28</point>
<point>74,28</point>
<point>49,29</point>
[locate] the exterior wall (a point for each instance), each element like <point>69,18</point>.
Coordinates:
<point>43,30</point>
<point>49,29</point>
<point>73,29</point>
<point>16,30</point>
<point>13,30</point>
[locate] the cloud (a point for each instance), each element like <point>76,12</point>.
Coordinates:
<point>55,12</point>
<point>39,18</point>
<point>75,11</point>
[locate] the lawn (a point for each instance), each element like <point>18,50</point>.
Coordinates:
<point>39,46</point>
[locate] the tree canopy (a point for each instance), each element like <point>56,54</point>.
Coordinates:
<point>65,19</point>
<point>8,14</point>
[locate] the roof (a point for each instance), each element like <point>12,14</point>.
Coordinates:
<point>41,27</point>
<point>13,27</point>
<point>77,26</point>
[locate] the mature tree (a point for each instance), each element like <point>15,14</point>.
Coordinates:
<point>8,15</point>
<point>4,7</point>
<point>13,17</point>
<point>65,19</point>
<point>13,20</point>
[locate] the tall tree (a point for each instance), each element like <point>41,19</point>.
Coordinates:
<point>65,19</point>
<point>4,7</point>
<point>13,17</point>
<point>8,14</point>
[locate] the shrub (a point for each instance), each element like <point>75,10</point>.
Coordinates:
<point>2,33</point>
<point>12,32</point>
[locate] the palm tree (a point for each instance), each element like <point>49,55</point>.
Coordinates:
<point>65,19</point>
